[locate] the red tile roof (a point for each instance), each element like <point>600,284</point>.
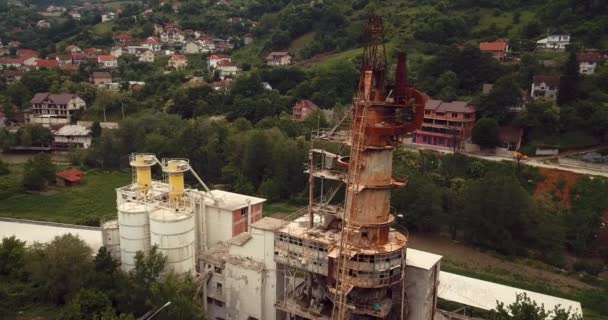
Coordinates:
<point>105,57</point>
<point>71,175</point>
<point>62,98</point>
<point>498,45</point>
<point>552,81</point>
<point>27,53</point>
<point>152,41</point>
<point>590,56</point>
<point>47,63</point>
<point>123,37</point>
<point>510,134</point>
<point>218,56</point>
<point>69,68</point>
<point>454,106</point>
<point>306,104</point>
<point>225,63</point>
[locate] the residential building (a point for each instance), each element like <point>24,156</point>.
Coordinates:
<point>214,59</point>
<point>73,69</point>
<point>172,36</point>
<point>107,61</point>
<point>511,137</point>
<point>446,124</point>
<point>12,62</point>
<point>123,39</point>
<point>75,15</point>
<point>303,109</point>
<point>27,53</point>
<point>12,76</point>
<point>498,49</point>
<point>544,87</point>
<point>192,47</point>
<point>72,137</point>
<point>108,16</point>
<point>177,62</point>
<point>554,42</point>
<point>48,64</point>
<point>589,60</point>
<point>227,69</point>
<point>101,78</point>
<point>146,56</point>
<point>69,177</point>
<point>222,85</point>
<point>116,51</point>
<point>152,43</point>
<point>79,58</point>
<point>43,24</point>
<point>72,48</point>
<point>63,59</point>
<point>47,108</point>
<point>248,38</point>
<point>281,58</point>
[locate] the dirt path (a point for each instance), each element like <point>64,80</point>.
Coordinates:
<point>478,261</point>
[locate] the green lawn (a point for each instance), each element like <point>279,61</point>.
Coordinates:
<point>94,198</point>
<point>279,209</point>
<point>301,42</point>
<point>102,28</point>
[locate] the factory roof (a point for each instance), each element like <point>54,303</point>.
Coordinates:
<point>233,201</point>
<point>484,295</point>
<point>217,253</point>
<point>268,223</point>
<point>421,259</point>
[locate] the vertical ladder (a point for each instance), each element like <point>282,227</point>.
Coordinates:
<point>339,311</point>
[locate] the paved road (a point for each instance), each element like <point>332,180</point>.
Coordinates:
<point>534,162</point>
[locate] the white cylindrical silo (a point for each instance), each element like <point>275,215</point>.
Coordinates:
<point>111,238</point>
<point>173,233</point>
<point>134,230</point>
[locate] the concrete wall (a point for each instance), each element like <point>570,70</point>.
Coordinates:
<point>546,152</point>
<point>582,164</point>
<point>261,248</point>
<point>421,292</point>
<point>219,225</point>
<point>244,294</point>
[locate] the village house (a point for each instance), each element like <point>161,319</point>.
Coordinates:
<point>279,58</point>
<point>47,108</point>
<point>73,69</point>
<point>511,137</point>
<point>75,15</point>
<point>27,53</point>
<point>146,56</point>
<point>589,60</point>
<point>206,43</point>
<point>123,39</point>
<point>43,24</point>
<point>12,76</point>
<point>72,137</point>
<point>222,85</point>
<point>172,36</point>
<point>116,51</point>
<point>151,43</point>
<point>109,16</point>
<point>100,78</point>
<point>303,109</point>
<point>248,39</point>
<point>63,59</point>
<point>69,177</point>
<point>222,45</point>
<point>78,58</point>
<point>214,59</point>
<point>6,63</point>
<point>53,8</point>
<point>192,47</point>
<point>498,49</point>
<point>446,124</point>
<point>72,48</point>
<point>544,87</point>
<point>47,64</point>
<point>107,61</point>
<point>227,69</point>
<point>15,44</point>
<point>554,42</point>
<point>177,62</point>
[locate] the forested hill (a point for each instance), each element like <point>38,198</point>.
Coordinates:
<point>336,25</point>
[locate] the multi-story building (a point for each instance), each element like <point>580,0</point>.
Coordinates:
<point>554,42</point>
<point>446,124</point>
<point>152,43</point>
<point>101,78</point>
<point>177,62</point>
<point>498,49</point>
<point>49,109</point>
<point>545,87</point>
<point>281,58</point>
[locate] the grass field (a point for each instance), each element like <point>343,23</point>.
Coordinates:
<point>102,28</point>
<point>94,198</point>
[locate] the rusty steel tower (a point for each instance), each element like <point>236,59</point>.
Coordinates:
<point>371,261</point>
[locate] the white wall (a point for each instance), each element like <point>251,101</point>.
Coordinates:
<point>421,290</point>
<point>243,292</point>
<point>219,225</point>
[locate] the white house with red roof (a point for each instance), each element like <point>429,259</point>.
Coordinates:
<point>498,49</point>
<point>214,59</point>
<point>107,61</point>
<point>48,64</point>
<point>588,61</point>
<point>177,62</point>
<point>278,58</point>
<point>227,68</point>
<point>152,43</point>
<point>72,48</point>
<point>303,110</point>
<point>123,38</point>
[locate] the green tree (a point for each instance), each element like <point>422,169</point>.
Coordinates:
<point>504,95</point>
<point>144,277</point>
<point>12,257</point>
<point>95,129</point>
<point>59,268</point>
<point>569,82</point>
<point>525,308</point>
<point>87,304</point>
<point>486,133</point>
<point>38,172</point>
<point>3,166</point>
<point>182,292</point>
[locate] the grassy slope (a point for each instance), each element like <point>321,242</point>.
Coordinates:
<point>96,197</point>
